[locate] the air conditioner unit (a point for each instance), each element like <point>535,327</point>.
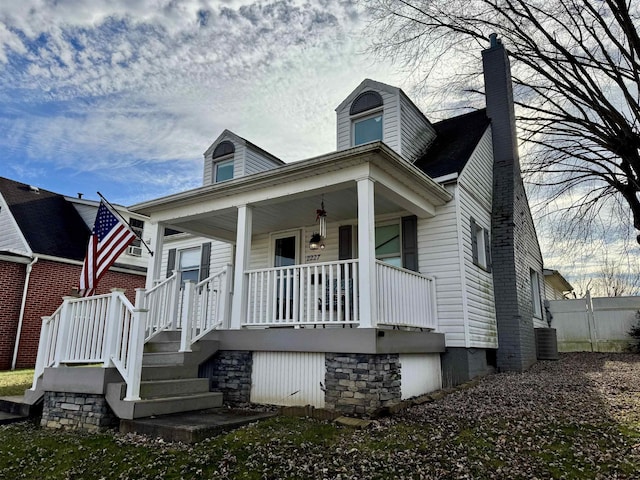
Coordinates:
<point>135,251</point>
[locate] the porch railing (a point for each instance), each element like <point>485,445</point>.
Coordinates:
<point>103,329</point>
<point>313,294</point>
<point>405,298</point>
<point>163,304</point>
<point>205,306</point>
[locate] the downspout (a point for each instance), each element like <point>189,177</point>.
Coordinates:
<point>21,316</point>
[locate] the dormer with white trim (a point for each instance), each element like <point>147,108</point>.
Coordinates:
<point>377,111</point>
<point>231,156</point>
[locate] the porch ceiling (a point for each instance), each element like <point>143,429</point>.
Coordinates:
<point>340,205</point>
<point>287,197</point>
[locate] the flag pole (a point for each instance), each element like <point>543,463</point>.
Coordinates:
<point>114,210</point>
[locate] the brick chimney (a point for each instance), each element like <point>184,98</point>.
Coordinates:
<point>514,245</point>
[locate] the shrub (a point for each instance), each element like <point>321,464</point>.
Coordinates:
<point>634,333</point>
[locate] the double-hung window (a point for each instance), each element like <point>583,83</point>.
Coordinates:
<point>367,118</point>
<point>388,244</point>
<point>368,129</point>
<point>222,157</point>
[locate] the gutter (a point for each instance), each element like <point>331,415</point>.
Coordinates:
<point>21,316</point>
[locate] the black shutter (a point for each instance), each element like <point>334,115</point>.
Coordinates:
<point>205,259</point>
<point>345,242</point>
<point>410,243</point>
<point>487,249</point>
<point>474,241</point>
<point>171,262</point>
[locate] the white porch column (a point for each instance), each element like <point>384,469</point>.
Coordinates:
<point>367,254</point>
<point>243,250</point>
<point>154,267</point>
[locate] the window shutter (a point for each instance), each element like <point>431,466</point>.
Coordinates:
<point>487,249</point>
<point>345,242</point>
<point>410,242</point>
<point>474,241</point>
<point>171,262</point>
<point>205,260</point>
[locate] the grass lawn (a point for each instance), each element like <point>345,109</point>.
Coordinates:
<point>15,382</point>
<point>578,418</point>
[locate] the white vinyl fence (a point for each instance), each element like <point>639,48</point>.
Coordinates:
<point>599,324</point>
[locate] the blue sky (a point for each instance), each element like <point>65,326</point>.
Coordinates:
<point>123,97</point>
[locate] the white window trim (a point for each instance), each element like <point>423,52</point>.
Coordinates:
<point>374,112</point>
<point>218,161</point>
<point>536,299</point>
<point>283,234</point>
<point>179,253</point>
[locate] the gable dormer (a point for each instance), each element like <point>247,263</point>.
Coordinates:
<point>231,156</point>
<point>377,111</point>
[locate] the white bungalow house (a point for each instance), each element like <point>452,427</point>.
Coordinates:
<point>402,261</point>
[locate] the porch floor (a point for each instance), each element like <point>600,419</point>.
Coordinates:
<point>191,427</point>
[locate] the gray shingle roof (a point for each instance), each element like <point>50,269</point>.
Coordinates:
<point>50,224</point>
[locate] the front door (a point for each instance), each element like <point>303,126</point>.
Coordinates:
<point>285,254</point>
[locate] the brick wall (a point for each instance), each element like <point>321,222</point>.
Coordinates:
<point>11,285</point>
<point>49,282</point>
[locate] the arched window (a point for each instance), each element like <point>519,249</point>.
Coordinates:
<point>223,161</point>
<point>366,128</point>
<point>366,101</point>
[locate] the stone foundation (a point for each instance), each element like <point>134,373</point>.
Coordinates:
<point>77,411</point>
<point>229,372</point>
<point>361,384</point>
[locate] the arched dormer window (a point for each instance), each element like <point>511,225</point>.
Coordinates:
<point>223,161</point>
<point>366,118</point>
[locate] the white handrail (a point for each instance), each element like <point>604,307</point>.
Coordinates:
<point>103,329</point>
<point>162,301</point>
<point>405,298</point>
<point>205,306</point>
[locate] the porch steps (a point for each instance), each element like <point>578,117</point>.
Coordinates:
<point>15,409</point>
<point>191,427</point>
<point>170,382</point>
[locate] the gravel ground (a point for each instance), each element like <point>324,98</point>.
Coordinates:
<point>574,418</point>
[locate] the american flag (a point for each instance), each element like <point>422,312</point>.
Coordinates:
<point>110,237</point>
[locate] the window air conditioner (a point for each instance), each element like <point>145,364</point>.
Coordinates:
<point>135,251</point>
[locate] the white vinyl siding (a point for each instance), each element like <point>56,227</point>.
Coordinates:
<point>438,255</point>
<point>246,160</point>
<point>288,378</point>
<point>255,162</point>
<point>390,119</point>
<point>417,133</point>
<point>420,374</point>
<point>475,198</point>
<point>220,252</point>
<point>11,238</point>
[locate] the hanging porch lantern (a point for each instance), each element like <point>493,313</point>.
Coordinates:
<point>316,239</point>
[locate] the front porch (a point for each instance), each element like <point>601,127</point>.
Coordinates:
<point>279,310</point>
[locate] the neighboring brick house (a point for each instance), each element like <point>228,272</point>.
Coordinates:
<point>42,247</point>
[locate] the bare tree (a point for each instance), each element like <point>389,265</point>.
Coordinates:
<point>576,75</point>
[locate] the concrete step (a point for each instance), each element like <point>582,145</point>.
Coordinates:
<point>169,372</point>
<point>174,387</point>
<point>191,427</point>
<point>161,346</point>
<point>163,358</point>
<point>167,405</point>
<point>15,405</point>
<point>147,407</point>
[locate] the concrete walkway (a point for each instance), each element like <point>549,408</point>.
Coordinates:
<point>191,427</point>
